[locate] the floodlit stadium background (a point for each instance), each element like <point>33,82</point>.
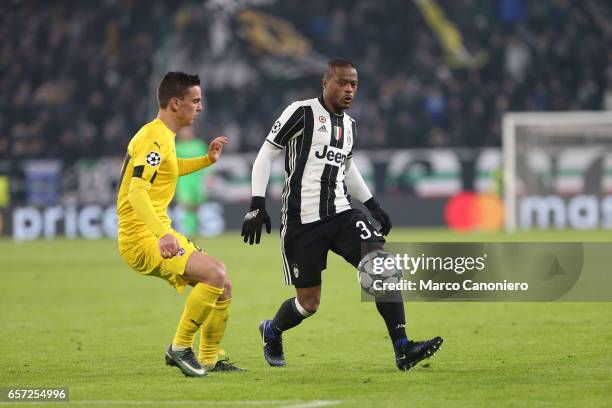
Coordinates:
<point>436,78</point>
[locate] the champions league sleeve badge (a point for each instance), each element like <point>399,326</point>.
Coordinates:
<point>153,159</point>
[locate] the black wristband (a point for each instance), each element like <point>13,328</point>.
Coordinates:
<point>258,202</point>
<point>371,204</point>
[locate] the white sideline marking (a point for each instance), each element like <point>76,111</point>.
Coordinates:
<point>312,404</point>
<point>281,403</point>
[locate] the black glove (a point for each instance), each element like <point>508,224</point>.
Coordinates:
<point>257,215</point>
<point>379,215</point>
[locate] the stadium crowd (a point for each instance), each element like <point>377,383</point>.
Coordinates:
<point>76,79</point>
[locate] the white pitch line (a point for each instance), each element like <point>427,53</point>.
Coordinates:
<point>312,404</point>
<point>282,403</point>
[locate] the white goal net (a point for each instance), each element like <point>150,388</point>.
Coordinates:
<point>557,170</point>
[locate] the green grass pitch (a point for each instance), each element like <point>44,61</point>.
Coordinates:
<point>73,315</point>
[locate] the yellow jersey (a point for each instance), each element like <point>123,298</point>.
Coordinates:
<point>148,181</point>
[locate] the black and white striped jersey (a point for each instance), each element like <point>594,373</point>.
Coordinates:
<point>317,143</point>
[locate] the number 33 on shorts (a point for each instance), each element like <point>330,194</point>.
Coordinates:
<point>366,230</point>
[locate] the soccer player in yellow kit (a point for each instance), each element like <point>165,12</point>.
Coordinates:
<point>151,247</point>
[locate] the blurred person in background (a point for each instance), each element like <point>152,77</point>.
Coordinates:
<point>190,192</point>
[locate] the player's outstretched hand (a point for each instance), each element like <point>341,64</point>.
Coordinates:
<point>379,215</point>
<point>254,219</point>
<point>215,147</point>
<point>168,246</point>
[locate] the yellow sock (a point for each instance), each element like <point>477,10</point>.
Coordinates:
<point>199,305</point>
<point>212,333</point>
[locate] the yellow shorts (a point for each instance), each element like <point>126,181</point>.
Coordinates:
<point>143,256</point>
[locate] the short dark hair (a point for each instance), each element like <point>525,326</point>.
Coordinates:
<point>175,85</point>
<point>337,63</point>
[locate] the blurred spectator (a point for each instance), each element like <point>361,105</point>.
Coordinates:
<point>517,59</point>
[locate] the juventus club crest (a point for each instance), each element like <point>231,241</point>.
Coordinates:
<point>337,132</point>
<point>153,159</point>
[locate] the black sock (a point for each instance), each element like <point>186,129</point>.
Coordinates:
<point>287,317</point>
<point>395,319</point>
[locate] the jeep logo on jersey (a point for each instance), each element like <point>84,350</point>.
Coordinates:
<point>333,155</point>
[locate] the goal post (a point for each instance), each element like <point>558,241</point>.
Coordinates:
<point>557,170</point>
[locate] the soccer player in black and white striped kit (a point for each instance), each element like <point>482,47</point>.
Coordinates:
<point>316,214</point>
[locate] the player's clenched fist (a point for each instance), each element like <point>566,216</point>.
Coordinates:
<point>254,219</point>
<point>379,215</point>
<point>168,246</point>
